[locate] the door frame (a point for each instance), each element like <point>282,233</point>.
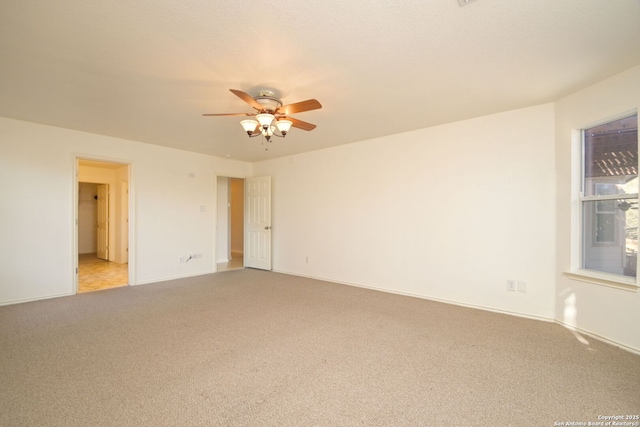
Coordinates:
<point>130,237</point>
<point>244,218</point>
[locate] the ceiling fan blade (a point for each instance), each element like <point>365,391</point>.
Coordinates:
<point>247,98</point>
<point>230,114</point>
<point>301,125</point>
<point>299,107</point>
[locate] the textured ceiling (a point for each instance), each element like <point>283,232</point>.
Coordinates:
<point>146,70</point>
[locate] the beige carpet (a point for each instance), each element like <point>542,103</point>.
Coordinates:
<point>255,348</point>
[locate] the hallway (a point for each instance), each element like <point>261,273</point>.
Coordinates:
<point>235,263</point>
<point>96,274</point>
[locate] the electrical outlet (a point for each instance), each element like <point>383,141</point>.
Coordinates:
<point>182,260</point>
<point>522,286</point>
<point>511,285</point>
<point>306,259</point>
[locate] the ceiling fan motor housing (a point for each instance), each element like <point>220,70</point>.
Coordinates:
<point>268,100</point>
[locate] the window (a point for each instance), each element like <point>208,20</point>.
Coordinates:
<point>609,197</point>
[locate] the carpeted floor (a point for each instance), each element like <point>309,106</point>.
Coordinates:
<point>256,348</point>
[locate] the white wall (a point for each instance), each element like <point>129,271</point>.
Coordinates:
<point>613,314</point>
<point>450,212</point>
<point>173,195</point>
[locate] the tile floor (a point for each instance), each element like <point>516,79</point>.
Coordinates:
<point>95,274</point>
<point>236,262</point>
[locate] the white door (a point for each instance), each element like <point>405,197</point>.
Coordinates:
<point>257,244</point>
<point>102,226</point>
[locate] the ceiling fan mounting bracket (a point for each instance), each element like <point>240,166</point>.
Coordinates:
<point>268,93</point>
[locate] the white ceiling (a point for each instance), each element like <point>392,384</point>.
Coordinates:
<point>146,70</point>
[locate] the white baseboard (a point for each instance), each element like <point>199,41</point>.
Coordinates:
<point>20,301</point>
<point>479,307</point>
<point>442,300</point>
<point>445,301</point>
<point>166,279</point>
<point>598,337</point>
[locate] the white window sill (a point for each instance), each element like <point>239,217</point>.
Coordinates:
<point>603,279</point>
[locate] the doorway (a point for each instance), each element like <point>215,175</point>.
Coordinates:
<point>102,225</point>
<point>230,226</point>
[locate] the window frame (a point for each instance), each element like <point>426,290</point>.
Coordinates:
<point>578,271</point>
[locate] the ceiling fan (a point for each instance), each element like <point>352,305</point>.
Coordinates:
<point>271,117</point>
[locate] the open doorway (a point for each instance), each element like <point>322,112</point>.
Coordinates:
<point>230,214</point>
<point>102,225</point>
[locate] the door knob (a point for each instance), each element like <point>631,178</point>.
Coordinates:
<point>268,227</point>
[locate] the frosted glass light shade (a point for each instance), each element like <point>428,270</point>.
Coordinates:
<point>249,125</point>
<point>265,120</point>
<point>284,126</point>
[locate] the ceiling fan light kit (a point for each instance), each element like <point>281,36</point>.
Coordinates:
<point>284,126</point>
<point>249,126</point>
<point>265,120</point>
<point>271,117</point>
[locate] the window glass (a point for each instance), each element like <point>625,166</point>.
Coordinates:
<point>611,151</point>
<point>611,236</point>
<point>610,197</point>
